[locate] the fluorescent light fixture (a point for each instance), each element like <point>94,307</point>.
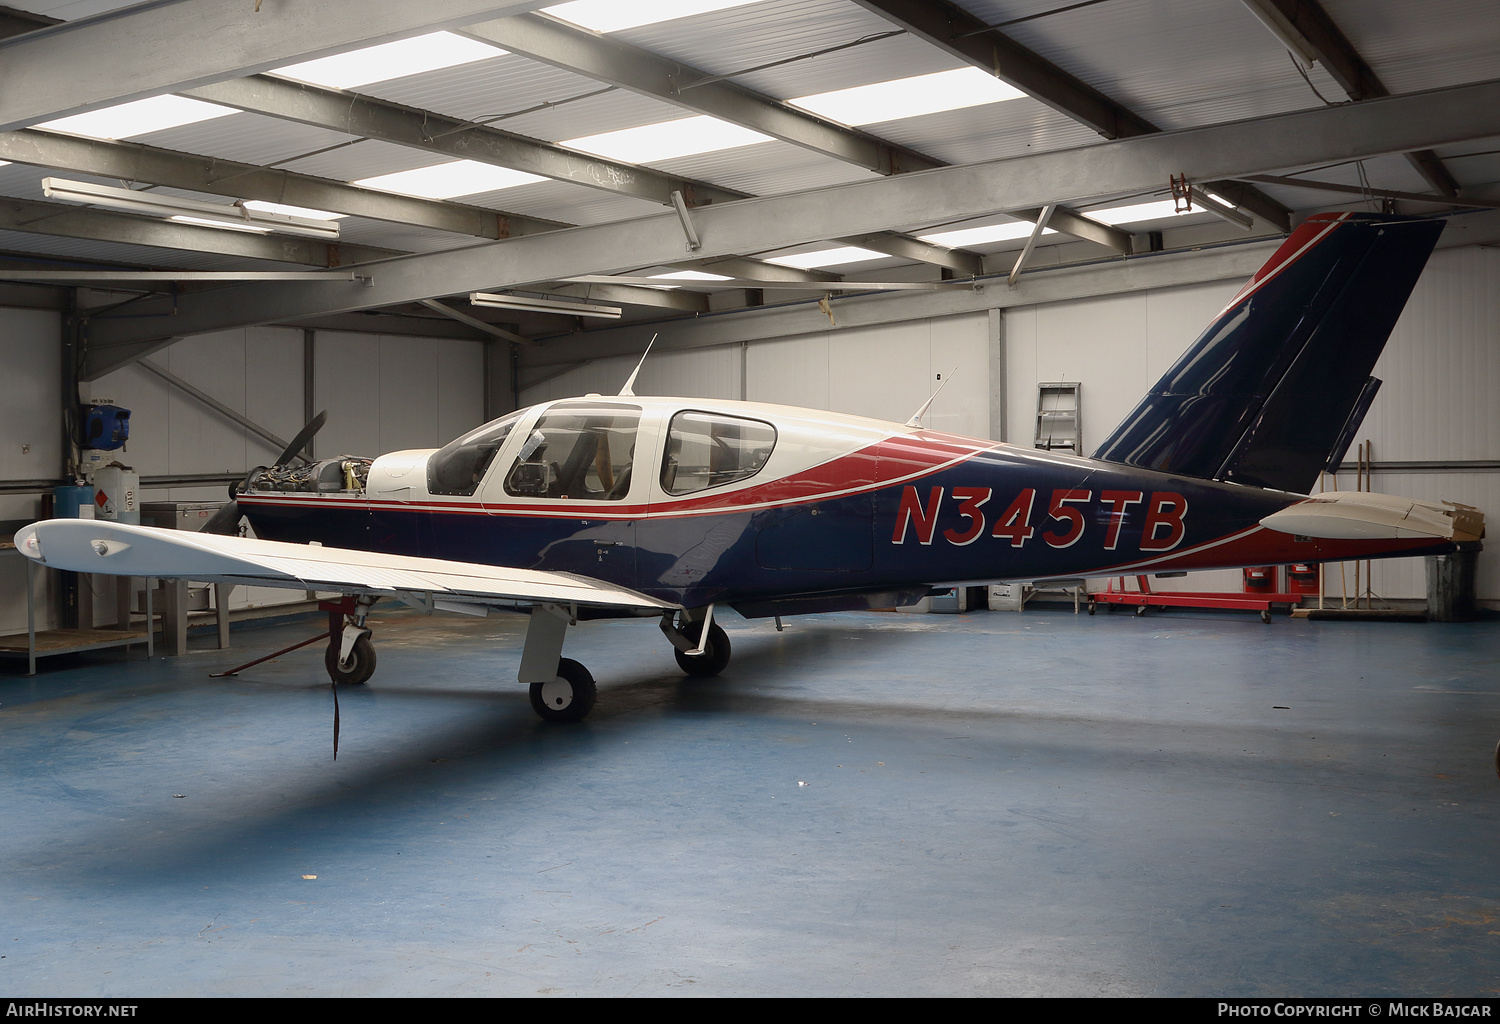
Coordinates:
<point>227,225</point>
<point>444,181</point>
<point>909,97</point>
<point>984,235</point>
<point>828,257</point>
<point>651,143</point>
<point>1282,27</point>
<point>385,61</point>
<point>259,206</point>
<point>137,117</point>
<point>614,15</point>
<point>218,215</point>
<point>534,305</point>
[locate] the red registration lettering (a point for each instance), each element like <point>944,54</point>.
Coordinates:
<point>969,500</point>
<point>1062,513</point>
<point>1014,522</point>
<point>1118,500</point>
<point>911,508</point>
<point>1166,508</point>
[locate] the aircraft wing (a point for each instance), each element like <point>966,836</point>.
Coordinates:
<point>85,545</point>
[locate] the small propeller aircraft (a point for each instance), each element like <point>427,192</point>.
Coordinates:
<point>668,508</point>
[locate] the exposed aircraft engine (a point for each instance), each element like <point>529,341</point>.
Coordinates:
<point>343,473</point>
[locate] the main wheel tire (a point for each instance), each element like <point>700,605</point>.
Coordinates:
<point>359,668</point>
<point>567,698</point>
<point>715,656</point>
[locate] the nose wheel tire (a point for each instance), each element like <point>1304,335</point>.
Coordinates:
<point>715,656</point>
<point>360,666</point>
<point>568,697</point>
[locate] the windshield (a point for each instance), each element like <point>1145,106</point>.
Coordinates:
<point>459,466</point>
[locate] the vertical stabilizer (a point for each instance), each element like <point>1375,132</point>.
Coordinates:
<point>1266,393</point>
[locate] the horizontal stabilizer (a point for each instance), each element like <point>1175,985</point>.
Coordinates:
<point>1271,387</point>
<point>93,545</point>
<point>1363,515</point>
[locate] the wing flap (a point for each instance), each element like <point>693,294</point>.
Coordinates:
<point>84,545</point>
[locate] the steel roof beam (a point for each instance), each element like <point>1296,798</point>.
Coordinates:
<point>131,161</point>
<point>37,217</point>
<point>1070,221</point>
<point>1340,59</point>
<point>437,133</point>
<point>606,59</point>
<point>634,295</point>
<point>151,49</point>
<point>1353,131</point>
<point>446,136</point>
<point>951,28</point>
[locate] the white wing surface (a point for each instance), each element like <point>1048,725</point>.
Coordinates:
<point>84,545</point>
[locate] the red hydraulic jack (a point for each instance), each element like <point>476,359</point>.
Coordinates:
<point>1144,598</point>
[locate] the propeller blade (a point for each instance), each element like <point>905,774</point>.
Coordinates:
<point>303,436</point>
<point>225,522</point>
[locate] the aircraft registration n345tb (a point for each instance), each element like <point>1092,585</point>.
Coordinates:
<point>667,508</point>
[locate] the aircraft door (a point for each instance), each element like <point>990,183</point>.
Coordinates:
<point>566,490</point>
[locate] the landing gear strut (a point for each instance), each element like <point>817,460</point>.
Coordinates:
<point>350,658</point>
<point>561,689</point>
<point>700,646</point>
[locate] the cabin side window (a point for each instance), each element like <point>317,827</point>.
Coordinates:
<point>707,449</point>
<point>581,452</point>
<point>459,466</point>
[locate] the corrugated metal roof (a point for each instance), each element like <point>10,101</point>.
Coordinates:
<point>1178,63</point>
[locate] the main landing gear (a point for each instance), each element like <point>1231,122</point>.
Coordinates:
<point>562,690</point>
<point>350,658</point>
<point>700,646</point>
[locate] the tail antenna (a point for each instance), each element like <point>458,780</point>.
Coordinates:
<point>626,391</point>
<point>916,419</point>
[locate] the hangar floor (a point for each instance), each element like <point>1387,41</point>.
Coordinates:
<point>988,804</point>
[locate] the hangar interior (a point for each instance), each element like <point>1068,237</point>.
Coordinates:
<point>420,217</point>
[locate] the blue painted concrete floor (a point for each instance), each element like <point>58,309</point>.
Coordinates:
<point>866,804</point>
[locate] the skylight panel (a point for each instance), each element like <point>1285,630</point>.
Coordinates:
<point>689,275</point>
<point>613,15</point>
<point>444,181</point>
<point>828,257</point>
<point>1138,212</point>
<point>652,143</point>
<point>984,235</point>
<point>260,206</point>
<point>385,61</point>
<point>138,117</point>
<point>908,97</point>
<point>1159,210</point>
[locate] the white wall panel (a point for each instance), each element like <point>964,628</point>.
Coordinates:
<point>30,394</point>
<point>789,371</point>
<point>1441,367</point>
<point>408,395</point>
<point>701,373</point>
<point>886,371</point>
